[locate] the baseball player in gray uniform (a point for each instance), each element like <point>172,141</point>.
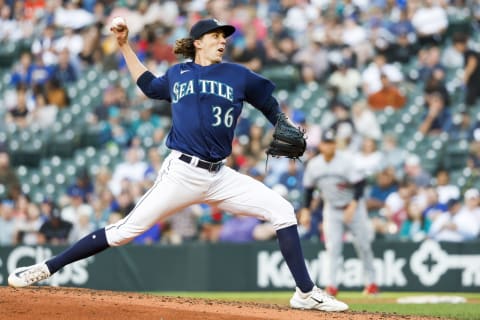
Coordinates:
<point>341,188</point>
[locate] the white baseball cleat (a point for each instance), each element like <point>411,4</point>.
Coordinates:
<point>25,276</point>
<point>317,299</point>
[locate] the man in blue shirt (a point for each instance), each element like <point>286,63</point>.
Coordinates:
<point>206,98</point>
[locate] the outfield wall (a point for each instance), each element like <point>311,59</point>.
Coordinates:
<point>401,266</point>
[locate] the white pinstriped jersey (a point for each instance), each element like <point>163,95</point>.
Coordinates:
<point>334,179</point>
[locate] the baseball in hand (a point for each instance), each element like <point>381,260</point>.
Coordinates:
<point>119,24</point>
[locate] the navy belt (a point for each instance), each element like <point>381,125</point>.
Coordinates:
<point>209,166</point>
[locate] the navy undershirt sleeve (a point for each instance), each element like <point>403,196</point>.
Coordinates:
<point>271,109</point>
<point>358,189</point>
<point>153,87</point>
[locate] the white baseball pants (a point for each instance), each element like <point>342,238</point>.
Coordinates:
<point>180,185</point>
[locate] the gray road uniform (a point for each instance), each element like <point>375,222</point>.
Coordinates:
<point>339,182</point>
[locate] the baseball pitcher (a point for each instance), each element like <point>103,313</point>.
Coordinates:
<point>206,98</point>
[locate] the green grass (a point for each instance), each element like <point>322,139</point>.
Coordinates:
<point>385,302</point>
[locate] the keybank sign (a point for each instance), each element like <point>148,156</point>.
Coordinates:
<point>427,265</point>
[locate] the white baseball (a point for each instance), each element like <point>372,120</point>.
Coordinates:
<point>119,23</point>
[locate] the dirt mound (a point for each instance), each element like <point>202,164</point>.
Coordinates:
<point>74,303</point>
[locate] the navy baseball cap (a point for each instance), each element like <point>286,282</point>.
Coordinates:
<point>328,136</point>
<point>208,25</point>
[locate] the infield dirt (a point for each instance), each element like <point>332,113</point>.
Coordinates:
<point>73,303</point>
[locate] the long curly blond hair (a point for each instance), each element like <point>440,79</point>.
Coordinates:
<point>185,47</point>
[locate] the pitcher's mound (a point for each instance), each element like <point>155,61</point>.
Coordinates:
<point>73,303</point>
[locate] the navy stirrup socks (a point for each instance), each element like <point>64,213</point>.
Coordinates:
<point>289,243</point>
<point>89,245</point>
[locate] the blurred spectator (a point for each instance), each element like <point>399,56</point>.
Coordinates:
<point>394,213</point>
<point>250,52</point>
<point>313,59</point>
<point>277,43</point>
<point>412,227</point>
<point>415,172</point>
<point>393,155</point>
<point>147,124</point>
<point>309,224</point>
<point>257,142</point>
<point>355,36</point>
<point>71,212</point>
<point>462,126</point>
<point>293,177</point>
<point>369,160</point>
<point>403,26</point>
<point>455,225</point>
<point>22,204</point>
<point>210,223</point>
<point>452,58</point>
<point>432,208</point>
<point>312,130</point>
<point>64,71</point>
<point>8,224</point>
<point>42,46</point>
<point>471,72</point>
<point>388,96</point>
<point>56,231</point>
<point>56,94</point>
<point>435,83</point>
<point>384,184</point>
<point>437,118</point>
<point>22,70</point>
<point>82,185</point>
<point>83,225</point>
<point>115,129</point>
<point>346,79</point>
<point>20,115</point>
<point>160,49</point>
<point>102,111</point>
<point>238,229</point>
<point>133,169</point>
<point>473,161</point>
<point>429,61</point>
<point>341,121</point>
<point>371,75</point>
<point>101,212</point>
<point>10,30</point>
<point>445,189</point>
<point>472,203</point>
<point>71,41</point>
<point>124,203</point>
<point>365,121</point>
<point>182,226</point>
<point>91,51</point>
<point>8,176</point>
<point>149,237</point>
<point>430,22</point>
<point>402,50</point>
<point>45,113</point>
<point>28,229</point>
<point>155,161</point>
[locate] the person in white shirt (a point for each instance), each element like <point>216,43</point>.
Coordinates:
<point>371,76</point>
<point>365,121</point>
<point>430,22</point>
<point>132,169</point>
<point>445,189</point>
<point>455,225</point>
<point>346,79</point>
<point>472,203</point>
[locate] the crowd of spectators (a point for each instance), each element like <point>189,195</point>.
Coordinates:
<point>358,50</point>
